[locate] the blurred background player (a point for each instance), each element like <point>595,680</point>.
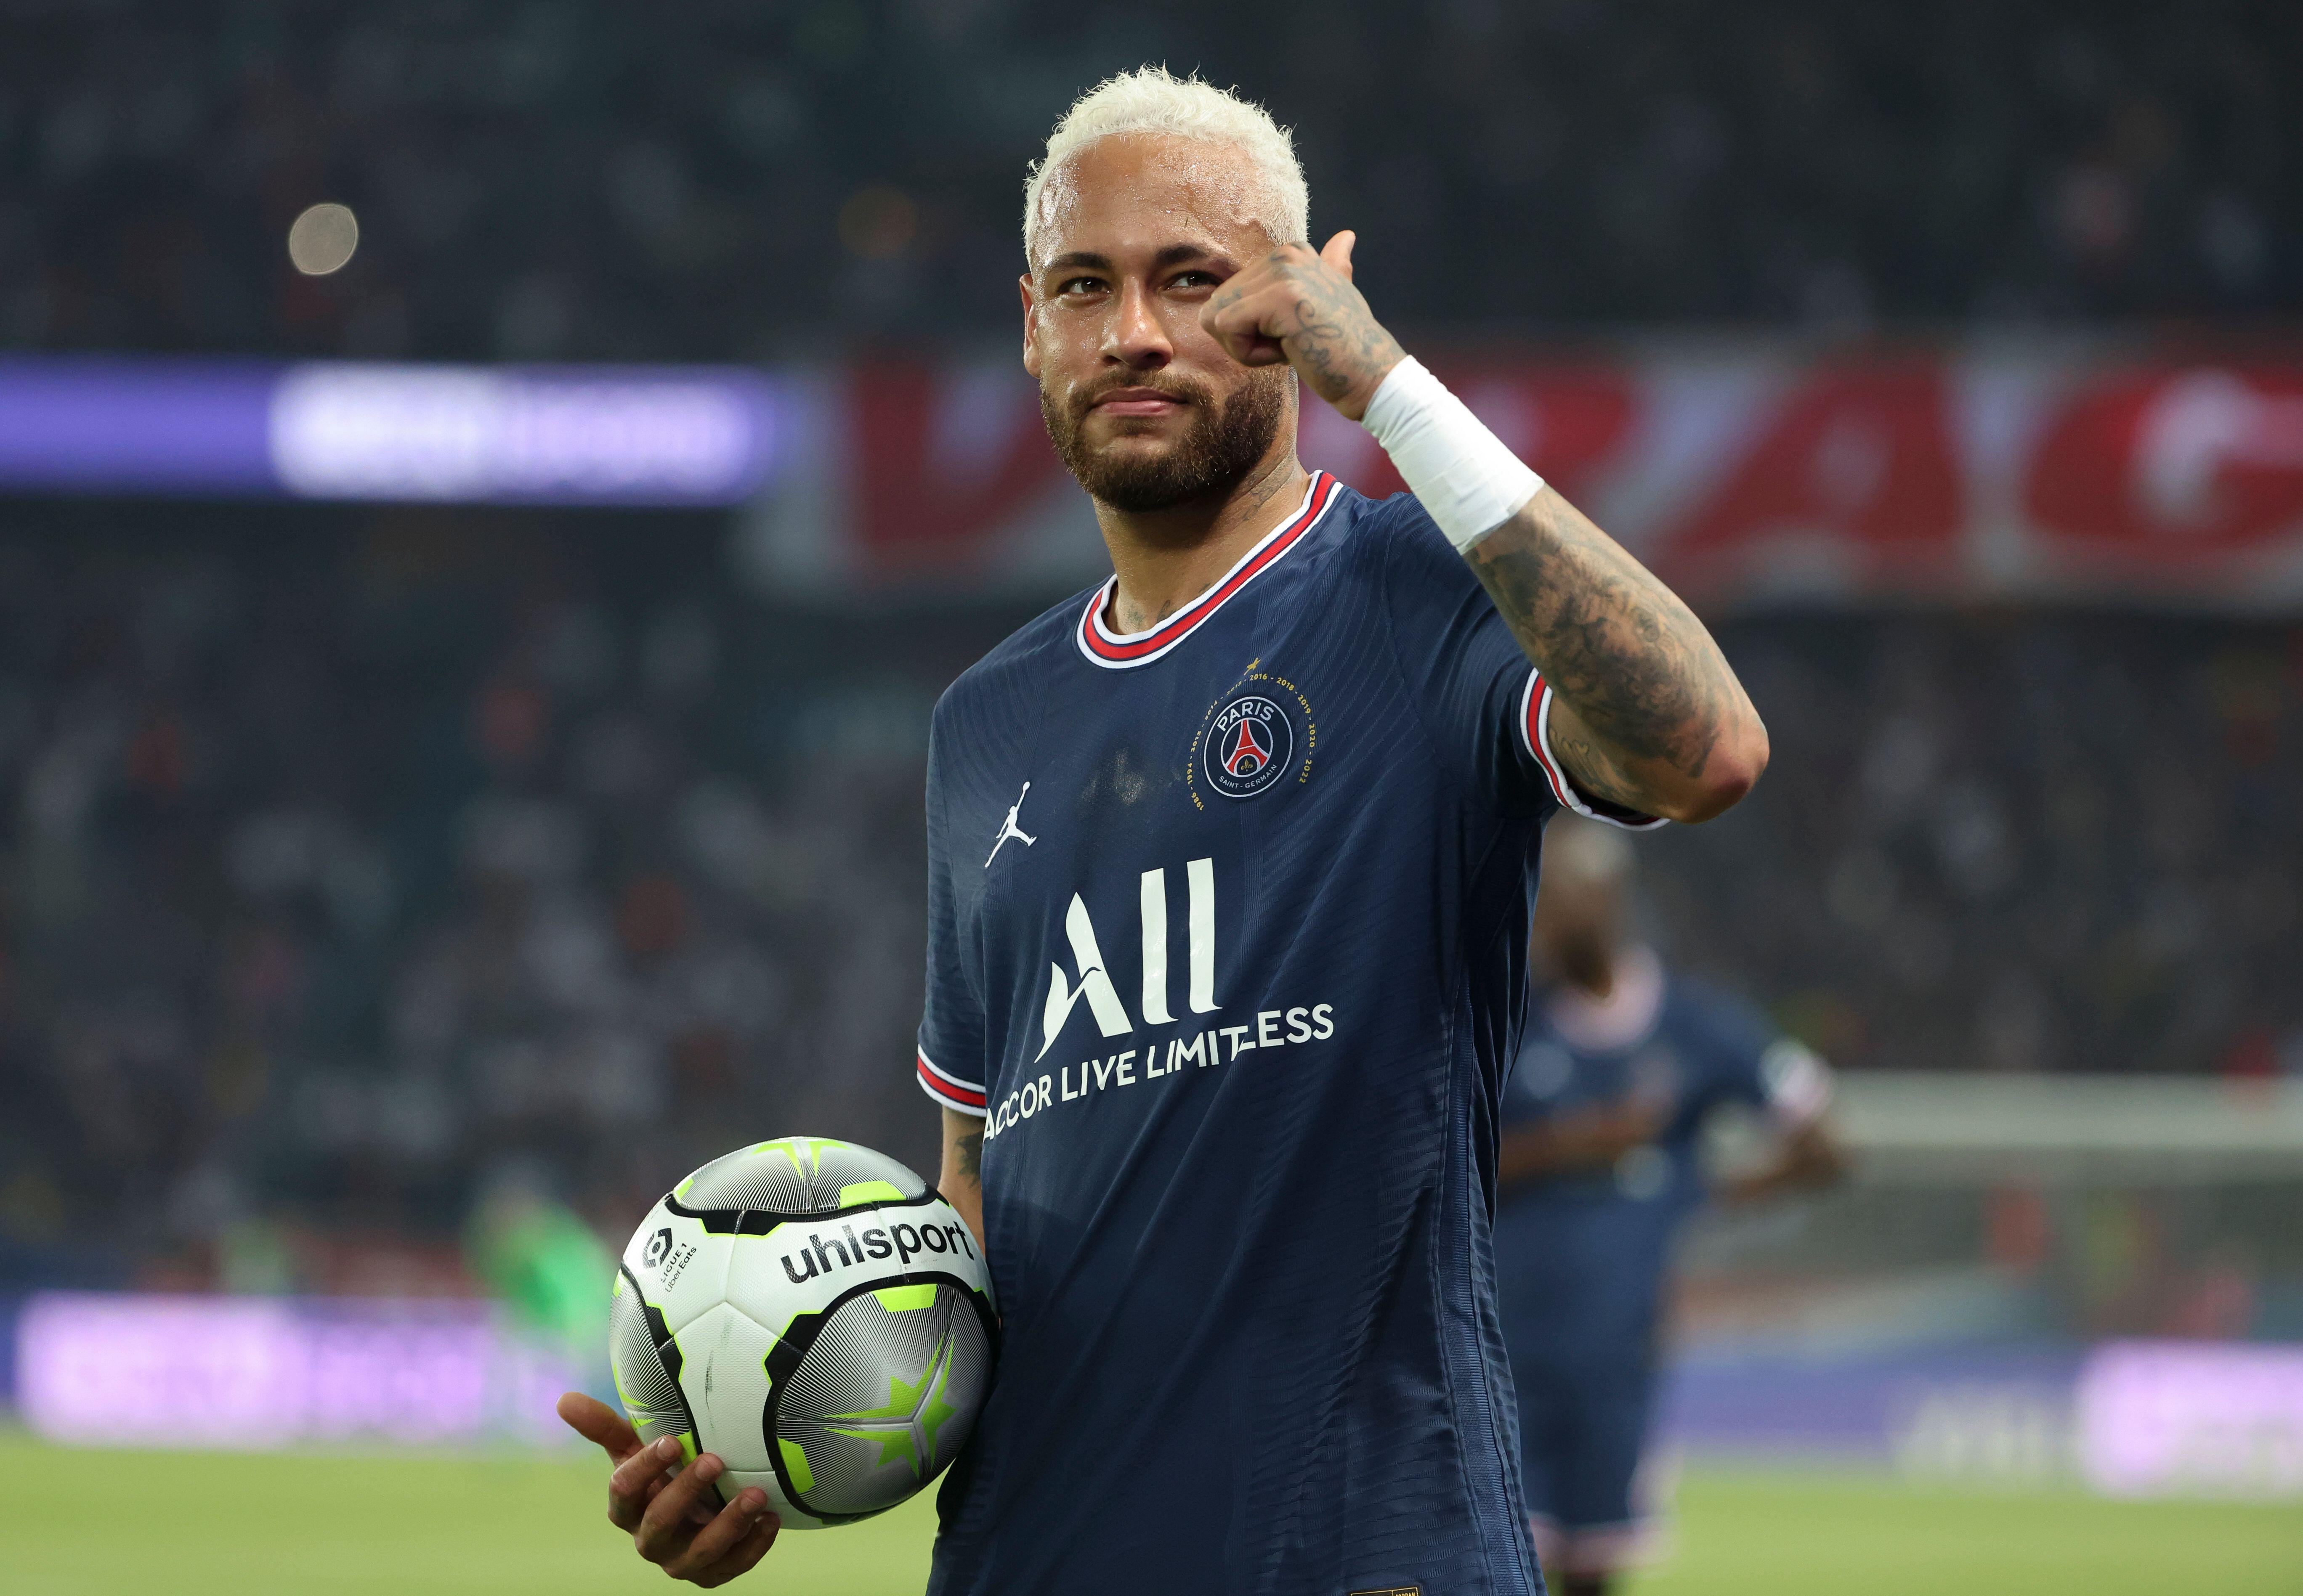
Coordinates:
<point>1620,1068</point>
<point>543,1263</point>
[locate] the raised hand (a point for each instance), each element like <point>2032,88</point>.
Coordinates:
<point>670,1515</point>
<point>1301,307</point>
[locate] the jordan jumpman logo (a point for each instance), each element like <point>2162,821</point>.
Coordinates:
<point>1009,828</point>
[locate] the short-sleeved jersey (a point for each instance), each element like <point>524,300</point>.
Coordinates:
<point>1226,923</point>
<point>1586,1252</point>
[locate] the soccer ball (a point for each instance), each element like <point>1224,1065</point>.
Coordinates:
<point>815,1315</point>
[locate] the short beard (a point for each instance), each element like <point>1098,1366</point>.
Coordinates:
<point>1224,444</point>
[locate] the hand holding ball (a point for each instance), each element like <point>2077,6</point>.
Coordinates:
<point>815,1315</point>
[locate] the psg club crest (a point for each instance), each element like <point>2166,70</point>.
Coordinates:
<point>1250,746</point>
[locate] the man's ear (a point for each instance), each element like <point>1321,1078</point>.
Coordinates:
<point>1031,345</point>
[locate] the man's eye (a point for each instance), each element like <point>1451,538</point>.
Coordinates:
<point>1079,285</point>
<point>1194,280</point>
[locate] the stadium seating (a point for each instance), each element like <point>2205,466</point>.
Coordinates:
<point>588,180</point>
<point>352,841</point>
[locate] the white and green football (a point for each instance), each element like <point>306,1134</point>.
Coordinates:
<point>815,1315</point>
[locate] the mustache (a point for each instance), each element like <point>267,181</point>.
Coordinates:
<point>1182,391</point>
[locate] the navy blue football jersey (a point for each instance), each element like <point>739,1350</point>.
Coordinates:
<point>1582,1256</point>
<point>1226,932</point>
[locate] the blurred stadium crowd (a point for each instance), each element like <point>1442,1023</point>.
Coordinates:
<point>344,877</point>
<point>715,180</point>
<point>348,870</point>
<point>2004,843</point>
<point>356,857</point>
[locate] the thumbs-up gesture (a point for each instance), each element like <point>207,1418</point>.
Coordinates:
<point>1301,307</point>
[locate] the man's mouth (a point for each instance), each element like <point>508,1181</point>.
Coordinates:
<point>1137,401</point>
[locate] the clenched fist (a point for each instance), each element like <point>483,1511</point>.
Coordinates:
<point>1301,307</point>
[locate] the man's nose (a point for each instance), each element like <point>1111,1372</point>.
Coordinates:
<point>1134,334</point>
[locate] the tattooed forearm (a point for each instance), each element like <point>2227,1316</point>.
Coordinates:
<point>968,1152</point>
<point>1646,705</point>
<point>1645,711</point>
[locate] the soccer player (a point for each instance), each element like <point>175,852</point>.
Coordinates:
<point>1229,868</point>
<point>1620,1067</point>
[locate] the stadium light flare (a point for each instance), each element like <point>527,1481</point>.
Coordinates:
<point>322,240</point>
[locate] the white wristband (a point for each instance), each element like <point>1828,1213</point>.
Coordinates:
<point>1468,482</point>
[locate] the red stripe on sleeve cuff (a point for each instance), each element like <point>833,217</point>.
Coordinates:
<point>948,1089</point>
<point>1535,732</point>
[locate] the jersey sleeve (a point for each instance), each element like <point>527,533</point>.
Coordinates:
<point>950,1065</point>
<point>1488,706</point>
<point>1764,1068</point>
<point>1795,1083</point>
<point>1534,728</point>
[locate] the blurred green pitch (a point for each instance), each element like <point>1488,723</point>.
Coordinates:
<point>187,1523</point>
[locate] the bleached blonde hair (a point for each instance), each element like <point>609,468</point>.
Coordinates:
<point>1151,99</point>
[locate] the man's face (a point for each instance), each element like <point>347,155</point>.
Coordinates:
<point>1579,922</point>
<point>1146,408</point>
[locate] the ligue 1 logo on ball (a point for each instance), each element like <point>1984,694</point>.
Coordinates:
<point>1248,748</point>
<point>659,1244</point>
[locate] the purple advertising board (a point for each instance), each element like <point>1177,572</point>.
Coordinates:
<point>2129,1418</point>
<point>121,1370</point>
<point>2159,1418</point>
<point>341,430</point>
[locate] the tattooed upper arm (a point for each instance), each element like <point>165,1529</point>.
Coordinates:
<point>963,1145</point>
<point>962,1181</point>
<point>1655,719</point>
<point>1597,773</point>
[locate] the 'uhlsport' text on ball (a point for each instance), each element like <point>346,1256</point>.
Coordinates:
<point>812,1312</point>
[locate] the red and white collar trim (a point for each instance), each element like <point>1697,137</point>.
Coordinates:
<point>1116,650</point>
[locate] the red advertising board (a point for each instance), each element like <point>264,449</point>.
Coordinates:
<point>1747,477</point>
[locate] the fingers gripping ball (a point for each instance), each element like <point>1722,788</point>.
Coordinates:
<point>812,1312</point>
